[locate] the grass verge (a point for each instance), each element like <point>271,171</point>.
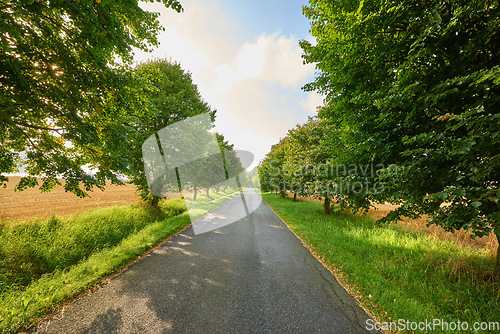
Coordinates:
<point>67,257</point>
<point>397,274</point>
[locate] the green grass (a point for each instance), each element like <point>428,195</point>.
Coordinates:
<point>45,263</point>
<point>397,274</point>
<point>31,249</point>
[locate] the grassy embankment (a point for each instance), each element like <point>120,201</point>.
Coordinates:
<point>396,273</point>
<point>45,263</point>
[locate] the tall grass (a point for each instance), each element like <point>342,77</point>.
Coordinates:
<point>31,249</point>
<point>396,273</point>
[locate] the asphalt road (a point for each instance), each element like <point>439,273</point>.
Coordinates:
<point>252,276</point>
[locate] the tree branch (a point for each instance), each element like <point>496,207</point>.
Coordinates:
<point>38,127</point>
<point>29,139</point>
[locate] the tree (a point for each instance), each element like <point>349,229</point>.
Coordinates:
<point>418,83</point>
<point>57,69</point>
<point>234,165</point>
<point>271,171</point>
<point>214,170</point>
<point>307,163</point>
<point>292,163</point>
<point>165,94</point>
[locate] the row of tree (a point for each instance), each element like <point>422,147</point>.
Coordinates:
<point>71,99</point>
<point>411,114</point>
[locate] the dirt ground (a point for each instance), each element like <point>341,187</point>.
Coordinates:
<point>15,206</point>
<point>489,242</point>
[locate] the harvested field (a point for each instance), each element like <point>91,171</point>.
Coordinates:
<point>30,203</point>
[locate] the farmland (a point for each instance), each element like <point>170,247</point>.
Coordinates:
<point>15,206</point>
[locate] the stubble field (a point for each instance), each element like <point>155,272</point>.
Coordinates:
<point>30,203</point>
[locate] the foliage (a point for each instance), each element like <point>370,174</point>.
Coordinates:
<point>418,85</point>
<point>271,171</point>
<point>217,164</point>
<point>165,94</point>
<point>306,162</point>
<point>29,250</point>
<point>313,160</point>
<point>58,64</point>
<point>233,164</point>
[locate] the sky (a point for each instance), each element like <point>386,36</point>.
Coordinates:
<point>246,60</point>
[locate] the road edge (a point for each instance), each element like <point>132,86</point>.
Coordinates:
<point>336,273</point>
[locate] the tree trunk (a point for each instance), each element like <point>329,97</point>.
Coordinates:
<point>208,195</point>
<point>179,182</point>
<point>294,197</point>
<point>195,193</point>
<point>154,202</point>
<point>326,206</point>
<point>496,272</point>
<point>283,189</point>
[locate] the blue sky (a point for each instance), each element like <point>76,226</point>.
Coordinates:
<point>245,58</point>
<point>269,16</point>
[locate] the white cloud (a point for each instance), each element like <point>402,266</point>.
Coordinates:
<point>270,58</point>
<point>254,84</point>
<point>312,102</point>
<point>210,27</point>
<point>284,62</point>
<point>248,63</point>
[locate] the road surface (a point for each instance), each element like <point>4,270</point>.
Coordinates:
<point>252,276</point>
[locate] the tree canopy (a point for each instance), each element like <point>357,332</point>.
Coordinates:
<point>58,69</point>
